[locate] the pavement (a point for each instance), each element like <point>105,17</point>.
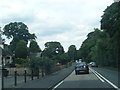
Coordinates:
<point>47,82</point>
<point>9,81</point>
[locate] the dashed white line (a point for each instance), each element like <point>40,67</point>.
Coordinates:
<point>57,85</point>
<point>107,80</point>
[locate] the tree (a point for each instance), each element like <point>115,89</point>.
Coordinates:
<point>0,44</point>
<point>0,36</point>
<point>86,50</point>
<point>21,50</point>
<point>63,58</point>
<point>17,31</point>
<point>102,46</point>
<point>34,47</point>
<point>110,23</point>
<point>72,52</point>
<point>52,49</point>
<point>110,20</point>
<point>43,63</point>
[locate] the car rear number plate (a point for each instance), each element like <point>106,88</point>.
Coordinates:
<point>82,71</point>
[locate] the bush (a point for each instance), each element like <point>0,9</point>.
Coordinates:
<point>21,61</point>
<point>43,63</point>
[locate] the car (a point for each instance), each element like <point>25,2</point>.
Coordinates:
<point>81,68</point>
<point>93,64</point>
<point>58,64</point>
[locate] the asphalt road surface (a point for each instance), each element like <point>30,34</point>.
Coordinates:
<point>91,80</point>
<point>66,79</point>
<point>0,83</point>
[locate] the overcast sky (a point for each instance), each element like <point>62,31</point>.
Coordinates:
<point>66,21</point>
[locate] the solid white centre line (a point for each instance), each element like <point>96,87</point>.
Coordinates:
<point>107,81</point>
<point>57,85</point>
<point>97,75</point>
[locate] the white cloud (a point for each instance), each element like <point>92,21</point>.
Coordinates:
<point>67,21</point>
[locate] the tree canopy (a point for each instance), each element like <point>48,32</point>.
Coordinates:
<point>102,45</point>
<point>110,20</point>
<point>21,50</point>
<point>110,23</point>
<point>52,49</point>
<point>34,47</point>
<point>72,52</point>
<point>17,31</point>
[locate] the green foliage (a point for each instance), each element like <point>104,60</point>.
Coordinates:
<point>72,52</point>
<point>34,47</point>
<point>63,58</point>
<point>41,62</point>
<point>110,20</point>
<point>17,31</point>
<point>20,61</point>
<point>88,44</point>
<point>52,49</point>
<point>35,62</point>
<point>111,24</point>
<point>48,63</point>
<point>21,50</point>
<point>0,36</point>
<point>97,48</point>
<point>102,46</point>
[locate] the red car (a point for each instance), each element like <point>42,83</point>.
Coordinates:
<point>58,64</point>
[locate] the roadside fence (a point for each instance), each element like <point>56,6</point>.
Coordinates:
<point>23,75</point>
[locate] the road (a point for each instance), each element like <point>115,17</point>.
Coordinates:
<point>91,80</point>
<point>0,83</point>
<point>0,79</point>
<point>66,78</point>
<point>111,75</point>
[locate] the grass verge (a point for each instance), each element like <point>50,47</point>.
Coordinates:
<point>111,68</point>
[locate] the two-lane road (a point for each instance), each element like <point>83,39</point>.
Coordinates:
<point>91,80</point>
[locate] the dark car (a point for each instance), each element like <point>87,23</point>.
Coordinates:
<point>81,68</point>
<point>93,64</point>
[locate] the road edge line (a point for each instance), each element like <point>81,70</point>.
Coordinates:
<point>52,87</point>
<point>113,85</point>
<point>57,85</point>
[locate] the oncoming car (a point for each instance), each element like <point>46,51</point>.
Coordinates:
<point>81,68</point>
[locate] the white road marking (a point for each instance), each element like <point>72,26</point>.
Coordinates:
<point>97,75</point>
<point>57,85</point>
<point>107,80</point>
